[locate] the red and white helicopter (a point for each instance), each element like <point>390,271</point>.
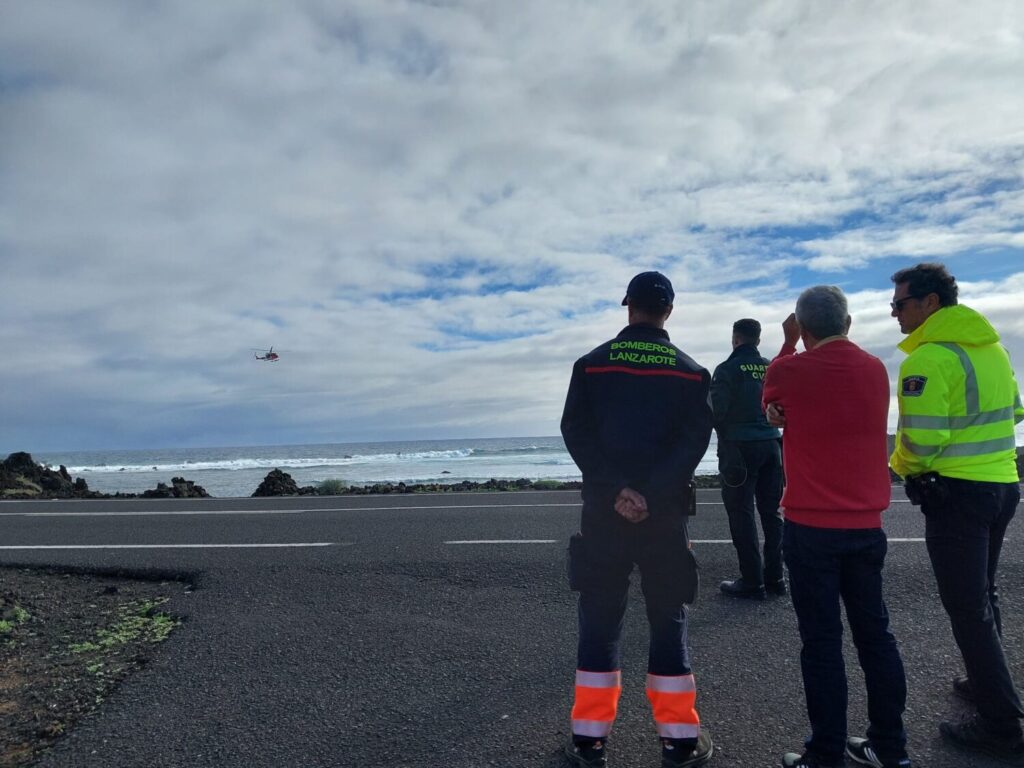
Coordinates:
<point>268,354</point>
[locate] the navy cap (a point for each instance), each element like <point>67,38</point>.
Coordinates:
<point>649,289</point>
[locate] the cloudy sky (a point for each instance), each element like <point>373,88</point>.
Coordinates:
<point>430,209</point>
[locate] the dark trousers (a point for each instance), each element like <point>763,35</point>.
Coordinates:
<point>762,482</point>
<point>826,566</point>
<point>964,537</point>
<point>602,602</point>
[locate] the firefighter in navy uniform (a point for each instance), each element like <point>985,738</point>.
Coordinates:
<point>637,421</point>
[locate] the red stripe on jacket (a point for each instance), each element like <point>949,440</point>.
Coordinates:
<point>643,372</point>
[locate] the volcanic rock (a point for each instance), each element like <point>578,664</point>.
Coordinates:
<point>180,488</point>
<point>23,478</point>
<point>278,483</point>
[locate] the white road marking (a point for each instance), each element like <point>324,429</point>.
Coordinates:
<point>711,541</point>
<point>556,541</point>
<point>729,541</point>
<point>179,546</point>
<point>505,541</point>
<point>173,513</point>
<point>153,513</point>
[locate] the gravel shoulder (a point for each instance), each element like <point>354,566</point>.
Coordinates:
<point>67,640</point>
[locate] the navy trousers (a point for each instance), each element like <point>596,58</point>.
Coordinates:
<point>602,601</point>
<point>826,567</point>
<point>964,538</point>
<point>762,483</point>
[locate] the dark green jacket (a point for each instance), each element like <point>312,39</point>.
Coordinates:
<point>736,397</point>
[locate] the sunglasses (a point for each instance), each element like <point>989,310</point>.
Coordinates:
<point>897,306</point>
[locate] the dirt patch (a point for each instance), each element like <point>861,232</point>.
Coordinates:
<point>66,641</point>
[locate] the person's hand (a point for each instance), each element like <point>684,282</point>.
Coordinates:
<point>775,414</point>
<point>631,505</point>
<point>791,330</point>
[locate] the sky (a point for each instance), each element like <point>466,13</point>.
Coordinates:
<point>431,209</point>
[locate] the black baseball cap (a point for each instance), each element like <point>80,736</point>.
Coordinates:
<point>649,289</point>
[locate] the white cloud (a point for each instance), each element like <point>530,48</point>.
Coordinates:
<point>431,209</point>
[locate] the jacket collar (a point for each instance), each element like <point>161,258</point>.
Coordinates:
<point>958,324</point>
<point>745,349</point>
<point>642,329</point>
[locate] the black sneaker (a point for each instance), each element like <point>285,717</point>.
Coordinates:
<point>975,736</point>
<point>674,755</point>
<point>806,760</point>
<point>962,687</point>
<point>860,751</point>
<point>587,754</point>
<point>777,587</point>
<point>740,588</point>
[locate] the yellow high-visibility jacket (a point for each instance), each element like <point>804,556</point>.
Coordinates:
<point>958,399</point>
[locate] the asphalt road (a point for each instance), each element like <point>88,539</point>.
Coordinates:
<point>438,630</point>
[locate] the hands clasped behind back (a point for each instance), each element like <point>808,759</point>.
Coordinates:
<point>632,505</point>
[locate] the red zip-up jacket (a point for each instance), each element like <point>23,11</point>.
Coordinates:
<point>836,403</point>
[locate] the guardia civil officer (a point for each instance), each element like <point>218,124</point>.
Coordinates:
<point>749,465</point>
<point>955,447</point>
<point>637,421</point>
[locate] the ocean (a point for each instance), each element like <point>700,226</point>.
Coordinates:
<point>233,472</point>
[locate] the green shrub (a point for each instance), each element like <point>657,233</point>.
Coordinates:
<point>332,487</point>
<point>548,485</point>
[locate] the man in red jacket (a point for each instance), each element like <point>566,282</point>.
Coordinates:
<point>833,401</point>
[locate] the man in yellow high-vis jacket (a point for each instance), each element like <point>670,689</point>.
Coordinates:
<point>955,447</point>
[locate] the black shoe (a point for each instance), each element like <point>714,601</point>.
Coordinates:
<point>587,754</point>
<point>675,756</point>
<point>776,587</point>
<point>806,760</point>
<point>740,588</point>
<point>962,687</point>
<point>975,735</point>
<point>860,751</point>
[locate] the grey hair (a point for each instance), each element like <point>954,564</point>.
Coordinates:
<point>822,311</point>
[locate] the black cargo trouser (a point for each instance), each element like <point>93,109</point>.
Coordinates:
<point>760,483</point>
<point>964,534</point>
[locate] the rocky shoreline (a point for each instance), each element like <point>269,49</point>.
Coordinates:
<point>22,478</point>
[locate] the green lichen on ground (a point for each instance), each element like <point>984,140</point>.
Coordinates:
<point>135,622</point>
<point>67,640</point>
<point>11,617</point>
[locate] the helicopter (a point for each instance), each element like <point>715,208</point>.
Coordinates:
<point>268,354</point>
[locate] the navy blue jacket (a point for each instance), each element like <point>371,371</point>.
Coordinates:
<point>736,396</point>
<point>637,414</point>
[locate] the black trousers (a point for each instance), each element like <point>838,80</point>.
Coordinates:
<point>752,472</point>
<point>964,536</point>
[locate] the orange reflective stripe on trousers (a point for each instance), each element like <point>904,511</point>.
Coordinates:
<point>597,699</point>
<point>674,703</point>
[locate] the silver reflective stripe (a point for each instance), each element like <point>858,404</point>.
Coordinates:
<point>673,684</point>
<point>914,421</point>
<point>678,730</point>
<point>971,396</point>
<point>598,679</point>
<point>918,450</point>
<point>980,448</point>
<point>593,728</point>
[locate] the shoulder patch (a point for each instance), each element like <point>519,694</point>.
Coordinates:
<point>913,386</point>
